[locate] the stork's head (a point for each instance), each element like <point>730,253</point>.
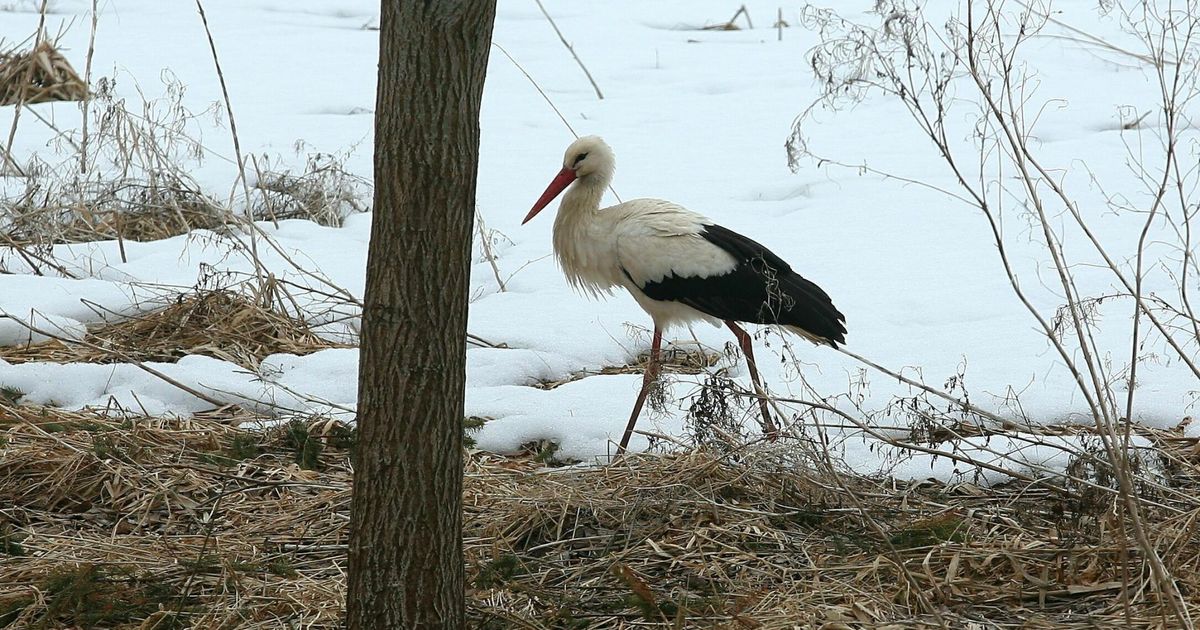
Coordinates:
<point>589,160</point>
<point>589,156</point>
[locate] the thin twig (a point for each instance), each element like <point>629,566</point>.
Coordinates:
<point>570,49</point>
<point>548,102</point>
<point>742,11</point>
<point>237,147</point>
<point>485,242</point>
<point>87,81</point>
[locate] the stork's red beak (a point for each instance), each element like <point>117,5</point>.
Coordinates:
<point>560,182</point>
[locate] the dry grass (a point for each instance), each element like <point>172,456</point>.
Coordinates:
<point>166,523</point>
<point>148,215</point>
<point>323,192</point>
<point>700,541</point>
<point>39,75</point>
<point>55,208</point>
<point>139,523</point>
<point>220,324</point>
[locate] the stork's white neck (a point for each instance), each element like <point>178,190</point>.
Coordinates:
<point>579,206</point>
<point>580,243</point>
<point>583,196</point>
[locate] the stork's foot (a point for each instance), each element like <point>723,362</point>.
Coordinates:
<point>770,431</point>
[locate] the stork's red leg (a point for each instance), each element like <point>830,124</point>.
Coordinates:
<point>647,382</point>
<point>748,349</point>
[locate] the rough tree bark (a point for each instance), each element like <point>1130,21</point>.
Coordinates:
<point>406,568</point>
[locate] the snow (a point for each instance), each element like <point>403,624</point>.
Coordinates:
<point>697,117</point>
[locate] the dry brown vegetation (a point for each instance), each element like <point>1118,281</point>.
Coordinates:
<point>155,523</point>
<point>38,75</point>
<point>149,215</point>
<point>219,324</point>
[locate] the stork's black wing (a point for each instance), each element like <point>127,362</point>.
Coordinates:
<point>762,289</point>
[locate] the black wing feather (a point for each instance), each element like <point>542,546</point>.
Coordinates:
<point>762,289</point>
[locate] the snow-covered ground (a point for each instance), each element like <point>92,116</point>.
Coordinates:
<point>696,116</point>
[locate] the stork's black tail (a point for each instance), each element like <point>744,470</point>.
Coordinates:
<point>811,313</point>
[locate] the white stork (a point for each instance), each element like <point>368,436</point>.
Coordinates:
<point>678,265</point>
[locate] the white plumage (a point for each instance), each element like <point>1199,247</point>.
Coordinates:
<point>678,265</point>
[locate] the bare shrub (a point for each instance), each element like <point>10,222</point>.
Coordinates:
<point>972,66</point>
<point>324,192</point>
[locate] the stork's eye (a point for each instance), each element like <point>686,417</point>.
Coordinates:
<point>579,159</point>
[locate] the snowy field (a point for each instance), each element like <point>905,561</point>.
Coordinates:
<point>699,117</point>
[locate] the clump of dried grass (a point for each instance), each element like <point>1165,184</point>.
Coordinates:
<point>234,531</point>
<point>324,192</point>
<point>220,324</point>
<point>38,75</point>
<point>134,212</point>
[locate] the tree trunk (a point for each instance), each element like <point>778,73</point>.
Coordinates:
<point>406,566</point>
